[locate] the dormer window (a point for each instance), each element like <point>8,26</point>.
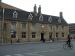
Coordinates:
<point>15,14</point>
<point>41,18</point>
<point>30,16</point>
<point>59,20</point>
<point>50,19</point>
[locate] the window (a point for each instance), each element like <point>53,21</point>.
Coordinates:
<point>15,14</point>
<point>50,19</point>
<point>62,34</point>
<point>41,18</point>
<point>33,35</point>
<point>56,34</point>
<point>23,34</point>
<point>13,34</point>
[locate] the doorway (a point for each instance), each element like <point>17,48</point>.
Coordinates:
<point>42,36</point>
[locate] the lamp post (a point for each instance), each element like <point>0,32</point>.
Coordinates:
<point>3,27</point>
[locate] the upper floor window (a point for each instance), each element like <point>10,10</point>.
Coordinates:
<point>15,14</point>
<point>41,18</point>
<point>50,19</point>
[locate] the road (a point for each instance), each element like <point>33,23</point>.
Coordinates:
<point>37,49</point>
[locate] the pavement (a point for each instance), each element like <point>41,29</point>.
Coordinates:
<point>37,49</point>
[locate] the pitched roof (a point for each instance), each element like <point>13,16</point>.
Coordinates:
<point>4,5</point>
<point>23,16</point>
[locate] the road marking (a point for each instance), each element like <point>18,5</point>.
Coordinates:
<point>7,55</point>
<point>34,53</point>
<point>18,54</point>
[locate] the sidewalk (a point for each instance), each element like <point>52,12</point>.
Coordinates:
<point>59,41</point>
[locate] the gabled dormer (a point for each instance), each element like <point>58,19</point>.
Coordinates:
<point>15,14</point>
<point>41,17</point>
<point>50,19</point>
<point>30,16</point>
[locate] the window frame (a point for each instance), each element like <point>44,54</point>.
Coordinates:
<point>23,34</point>
<point>15,14</point>
<point>33,34</point>
<point>41,18</point>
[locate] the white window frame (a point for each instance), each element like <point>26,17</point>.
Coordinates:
<point>15,14</point>
<point>41,18</point>
<point>50,19</point>
<point>30,16</point>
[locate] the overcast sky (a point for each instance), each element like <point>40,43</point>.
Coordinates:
<point>50,7</point>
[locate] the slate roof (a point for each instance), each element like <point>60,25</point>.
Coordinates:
<point>23,16</point>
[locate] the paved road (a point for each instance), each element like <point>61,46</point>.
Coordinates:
<point>36,49</point>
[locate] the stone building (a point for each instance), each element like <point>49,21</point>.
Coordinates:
<point>17,25</point>
<point>72,30</point>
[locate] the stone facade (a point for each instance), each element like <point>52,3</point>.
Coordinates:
<point>31,30</point>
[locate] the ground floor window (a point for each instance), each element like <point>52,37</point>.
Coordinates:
<point>56,34</point>
<point>13,34</point>
<point>23,34</point>
<point>62,34</point>
<point>33,34</point>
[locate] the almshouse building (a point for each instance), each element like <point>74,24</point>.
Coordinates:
<point>22,26</point>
